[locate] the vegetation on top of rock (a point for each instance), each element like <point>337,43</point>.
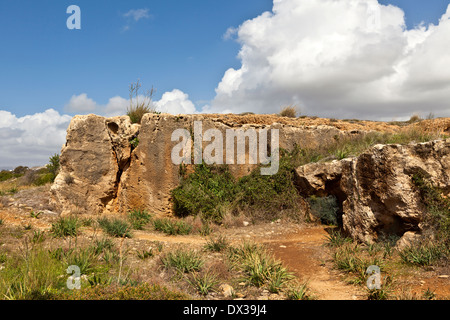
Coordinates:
<point>289,111</point>
<point>138,108</point>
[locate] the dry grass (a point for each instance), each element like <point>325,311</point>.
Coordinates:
<point>289,111</point>
<point>139,105</point>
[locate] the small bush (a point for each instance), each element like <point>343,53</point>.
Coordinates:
<point>172,227</point>
<point>216,244</point>
<point>259,267</point>
<point>424,254</point>
<point>33,276</point>
<point>6,175</point>
<point>137,108</point>
<point>142,291</point>
<point>289,111</point>
<point>204,283</point>
<point>203,191</point>
<point>300,292</point>
<point>184,261</point>
<point>144,254</point>
<point>103,245</point>
<point>324,208</point>
<point>38,237</point>
<point>337,239</point>
<point>414,118</point>
<point>65,227</point>
<point>438,216</point>
<point>139,218</point>
<point>115,227</point>
<point>85,259</point>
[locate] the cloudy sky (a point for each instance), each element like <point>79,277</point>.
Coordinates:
<point>367,59</point>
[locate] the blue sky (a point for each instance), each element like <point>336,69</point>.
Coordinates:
<point>330,58</point>
<point>180,46</point>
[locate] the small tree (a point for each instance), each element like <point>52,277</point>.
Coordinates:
<point>53,166</point>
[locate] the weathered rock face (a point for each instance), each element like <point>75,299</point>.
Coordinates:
<point>96,152</point>
<point>102,172</point>
<point>376,190</point>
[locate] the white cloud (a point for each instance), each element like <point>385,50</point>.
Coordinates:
<point>116,106</point>
<point>80,103</point>
<point>137,14</point>
<point>32,139</point>
<point>338,58</point>
<point>175,102</point>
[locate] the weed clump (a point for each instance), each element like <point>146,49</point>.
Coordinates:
<point>115,227</point>
<point>184,261</point>
<point>172,227</point>
<point>138,108</point>
<point>65,227</point>
<point>138,219</point>
<point>289,111</point>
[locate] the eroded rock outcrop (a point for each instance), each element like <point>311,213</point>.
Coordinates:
<point>376,191</point>
<point>109,165</point>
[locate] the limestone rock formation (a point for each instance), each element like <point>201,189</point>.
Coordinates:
<point>375,190</point>
<point>96,152</point>
<point>109,165</point>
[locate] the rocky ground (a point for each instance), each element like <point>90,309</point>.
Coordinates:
<point>302,248</point>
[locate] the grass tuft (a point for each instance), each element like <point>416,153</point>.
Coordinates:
<point>115,227</point>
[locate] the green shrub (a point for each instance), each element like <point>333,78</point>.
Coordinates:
<point>324,208</point>
<point>138,219</point>
<point>85,259</point>
<point>202,192</point>
<point>6,175</point>
<point>31,276</point>
<point>172,227</point>
<point>424,254</point>
<point>337,239</point>
<point>438,216</point>
<point>142,291</point>
<point>216,244</point>
<point>115,227</point>
<point>65,227</point>
<point>53,167</point>
<point>204,283</point>
<point>184,261</point>
<point>102,245</point>
<point>260,268</point>
<point>43,179</point>
<point>144,254</point>
<point>300,292</point>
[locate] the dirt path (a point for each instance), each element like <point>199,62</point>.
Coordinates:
<point>305,255</point>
